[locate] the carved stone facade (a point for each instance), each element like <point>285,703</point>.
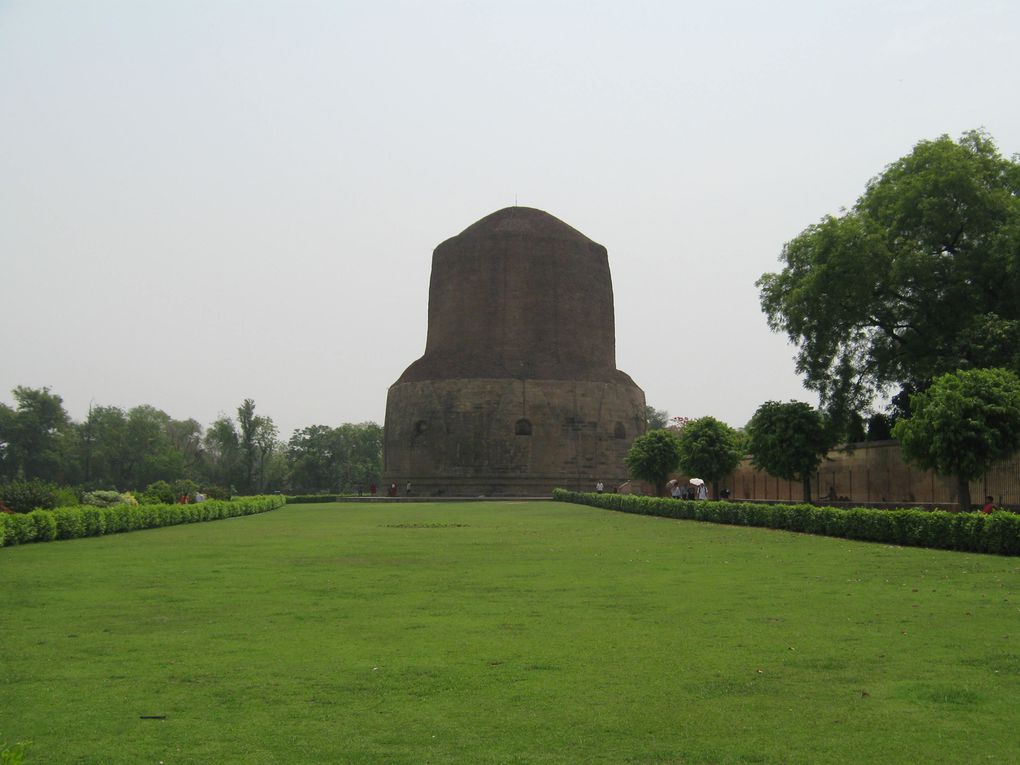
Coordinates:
<point>517,392</point>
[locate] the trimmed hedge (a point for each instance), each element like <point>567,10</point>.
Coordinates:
<point>86,521</point>
<point>305,499</point>
<point>997,532</point>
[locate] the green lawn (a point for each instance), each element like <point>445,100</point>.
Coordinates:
<point>504,633</point>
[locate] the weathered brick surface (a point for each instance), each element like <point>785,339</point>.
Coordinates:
<point>517,391</point>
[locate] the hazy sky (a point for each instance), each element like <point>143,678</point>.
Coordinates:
<point>202,202</point>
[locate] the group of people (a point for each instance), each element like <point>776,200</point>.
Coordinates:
<point>689,492</point>
<point>391,492</point>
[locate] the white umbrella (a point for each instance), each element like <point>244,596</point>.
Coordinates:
<point>697,482</point>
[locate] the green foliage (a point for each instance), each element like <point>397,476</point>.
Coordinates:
<point>789,440</point>
<point>34,437</point>
<point>311,499</point>
<point>158,492</point>
<point>997,533</point>
<point>709,449</point>
<point>656,419</point>
<point>918,279</point>
<point>21,496</point>
<point>334,460</point>
<point>216,492</point>
<point>653,456</point>
<point>104,498</point>
<point>879,427</point>
<point>66,496</point>
<point>15,754</point>
<point>963,424</point>
<point>91,520</point>
<point>184,487</point>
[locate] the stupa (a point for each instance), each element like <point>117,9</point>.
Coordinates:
<point>518,391</point>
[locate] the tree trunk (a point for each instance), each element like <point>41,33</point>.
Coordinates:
<point>963,493</point>
<point>807,489</point>
<point>715,490</point>
<point>660,489</point>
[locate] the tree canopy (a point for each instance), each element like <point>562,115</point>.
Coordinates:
<point>919,278</point>
<point>142,447</point>
<point>709,449</point>
<point>963,424</point>
<point>653,456</point>
<point>789,440</point>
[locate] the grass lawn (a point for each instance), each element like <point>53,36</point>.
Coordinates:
<point>504,633</point>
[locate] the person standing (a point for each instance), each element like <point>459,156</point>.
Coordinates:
<point>599,488</point>
<point>989,505</point>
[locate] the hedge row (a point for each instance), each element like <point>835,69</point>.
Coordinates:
<point>87,521</point>
<point>305,499</point>
<point>997,532</point>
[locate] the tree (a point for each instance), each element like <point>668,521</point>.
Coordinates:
<point>789,440</point>
<point>246,419</point>
<point>709,449</point>
<point>34,440</point>
<point>335,459</point>
<point>963,424</point>
<point>223,453</point>
<point>653,456</point>
<point>918,279</point>
<point>655,419</point>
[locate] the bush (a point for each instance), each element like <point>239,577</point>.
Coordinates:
<point>45,525</point>
<point>91,520</point>
<point>184,487</point>
<point>66,497</point>
<point>998,532</point>
<point>103,498</point>
<point>20,529</point>
<point>25,496</point>
<point>158,492</point>
<point>216,492</point>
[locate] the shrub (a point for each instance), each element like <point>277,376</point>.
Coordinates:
<point>184,486</point>
<point>69,523</point>
<point>997,533</point>
<point>158,492</point>
<point>20,529</point>
<point>90,520</point>
<point>25,496</point>
<point>45,525</point>
<point>66,497</point>
<point>216,492</point>
<point>103,498</point>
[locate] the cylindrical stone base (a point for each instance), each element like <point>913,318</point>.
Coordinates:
<point>509,437</point>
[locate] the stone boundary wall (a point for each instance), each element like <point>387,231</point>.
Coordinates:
<point>875,473</point>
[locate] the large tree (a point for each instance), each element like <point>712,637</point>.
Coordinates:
<point>35,435</point>
<point>919,278</point>
<point>789,440</point>
<point>335,459</point>
<point>653,456</point>
<point>963,424</point>
<point>710,450</point>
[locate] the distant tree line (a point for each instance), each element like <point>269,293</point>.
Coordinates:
<point>128,450</point>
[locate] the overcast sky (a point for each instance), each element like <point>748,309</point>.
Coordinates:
<point>204,201</point>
